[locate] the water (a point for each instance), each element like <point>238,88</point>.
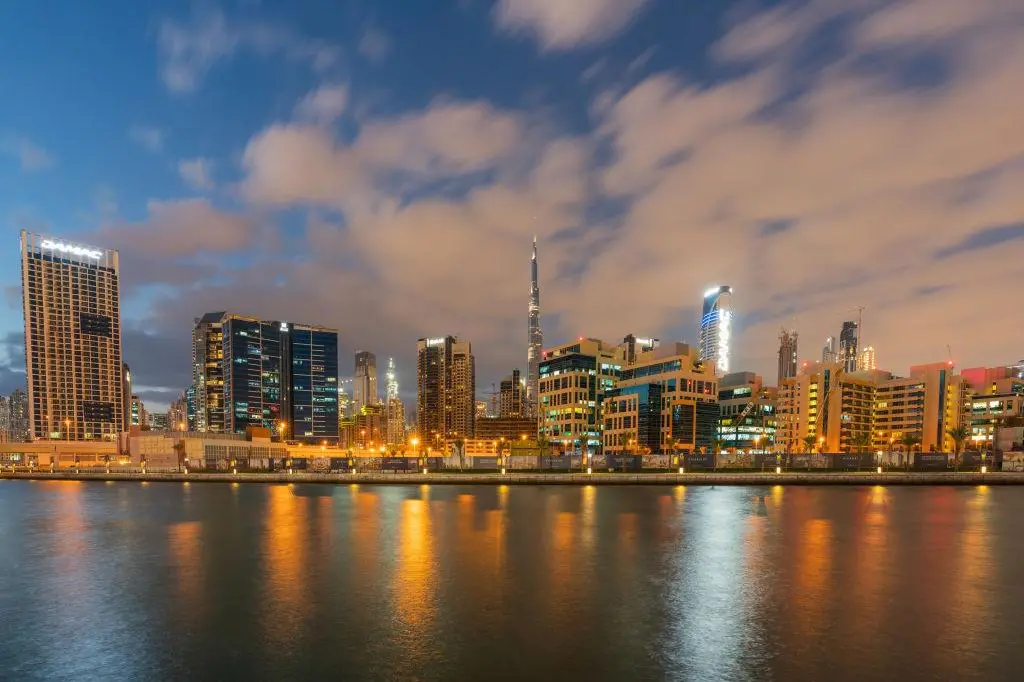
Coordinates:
<point>133,581</point>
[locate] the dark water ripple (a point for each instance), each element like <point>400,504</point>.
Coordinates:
<point>133,581</point>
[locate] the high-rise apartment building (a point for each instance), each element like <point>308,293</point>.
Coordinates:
<point>72,309</point>
<point>829,352</point>
<point>787,354</point>
<point>5,419</point>
<point>365,382</point>
<point>138,415</point>
<point>866,359</point>
<point>445,389</point>
<point>395,407</point>
<point>14,417</point>
<point>848,341</point>
<point>510,399</point>
<point>271,374</point>
<point>535,338</point>
<point>208,373</point>
<point>716,327</point>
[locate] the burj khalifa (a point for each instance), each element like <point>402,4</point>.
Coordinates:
<point>536,337</point>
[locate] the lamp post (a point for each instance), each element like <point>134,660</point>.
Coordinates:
<point>282,428</point>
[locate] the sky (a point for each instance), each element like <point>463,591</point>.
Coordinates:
<point>382,167</point>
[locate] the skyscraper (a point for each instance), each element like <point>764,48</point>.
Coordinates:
<point>19,416</point>
<point>828,351</point>
<point>395,407</point>
<point>848,346</point>
<point>716,327</point>
<point>208,373</point>
<point>535,337</point>
<point>445,389</point>
<point>866,359</point>
<point>270,374</point>
<point>510,402</point>
<point>72,308</point>
<point>787,354</point>
<point>365,382</point>
<point>138,415</point>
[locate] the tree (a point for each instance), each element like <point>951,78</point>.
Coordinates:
<point>959,436</point>
<point>544,444</point>
<point>809,443</point>
<point>179,449</point>
<point>861,442</point>
<point>909,440</point>
<point>460,447</point>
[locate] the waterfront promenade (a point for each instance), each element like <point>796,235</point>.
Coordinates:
<point>526,478</point>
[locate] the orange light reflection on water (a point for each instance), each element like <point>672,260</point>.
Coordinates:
<point>285,549</point>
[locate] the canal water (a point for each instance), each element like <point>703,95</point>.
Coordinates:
<point>219,581</point>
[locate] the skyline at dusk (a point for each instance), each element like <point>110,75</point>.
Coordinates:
<point>382,169</point>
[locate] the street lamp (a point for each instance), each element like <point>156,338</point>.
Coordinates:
<point>281,429</point>
<point>67,429</point>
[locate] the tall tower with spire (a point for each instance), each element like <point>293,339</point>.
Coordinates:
<point>535,337</point>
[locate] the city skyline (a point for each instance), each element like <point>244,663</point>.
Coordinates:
<point>218,206</point>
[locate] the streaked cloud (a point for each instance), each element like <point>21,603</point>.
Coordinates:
<point>187,50</point>
<point>564,24</point>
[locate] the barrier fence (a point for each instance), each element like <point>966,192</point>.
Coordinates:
<point>690,462</point>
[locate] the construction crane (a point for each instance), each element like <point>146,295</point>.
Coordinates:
<point>738,420</point>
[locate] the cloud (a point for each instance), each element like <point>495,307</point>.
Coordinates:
<point>983,239</point>
<point>324,105</point>
<point>148,137</point>
<point>564,24</point>
<point>30,156</point>
<point>188,50</point>
<point>182,227</point>
<point>866,172</point>
<point>294,163</point>
<point>197,173</point>
<point>375,45</point>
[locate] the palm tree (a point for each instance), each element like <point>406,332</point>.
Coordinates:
<point>959,436</point>
<point>544,444</point>
<point>809,443</point>
<point>909,440</point>
<point>861,442</point>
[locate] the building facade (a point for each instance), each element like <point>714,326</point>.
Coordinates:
<point>747,420</point>
<point>73,364</point>
<point>870,410</point>
<point>926,405</point>
<point>848,343</point>
<point>788,339</point>
<point>866,360</point>
<point>364,385</point>
<point>208,374</point>
<point>716,327</point>
<point>138,414</point>
<point>573,380</point>
<point>269,374</point>
<point>445,389</point>
<point>829,352</point>
<point>507,428</point>
<point>511,397</point>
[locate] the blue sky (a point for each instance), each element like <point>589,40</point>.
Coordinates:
<point>382,167</point>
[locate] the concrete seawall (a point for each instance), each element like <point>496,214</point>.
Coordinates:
<point>758,478</point>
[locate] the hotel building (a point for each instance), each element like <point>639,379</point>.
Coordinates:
<point>445,390</point>
<point>73,362</point>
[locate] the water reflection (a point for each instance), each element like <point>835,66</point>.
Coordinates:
<point>415,583</point>
<point>285,546</point>
<point>185,549</point>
